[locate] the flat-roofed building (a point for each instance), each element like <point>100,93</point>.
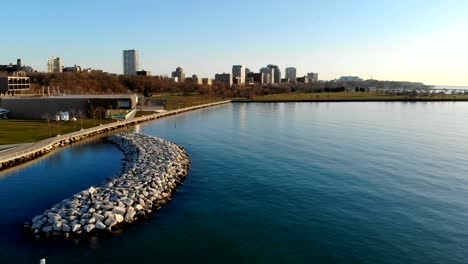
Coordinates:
<point>225,78</point>
<point>291,74</point>
<point>12,84</point>
<point>238,73</point>
<point>143,73</point>
<point>179,74</point>
<point>270,73</point>
<point>44,107</point>
<point>72,69</point>
<point>302,79</point>
<point>313,77</point>
<point>207,81</point>
<point>194,79</point>
<point>349,79</point>
<point>275,73</point>
<point>257,77</point>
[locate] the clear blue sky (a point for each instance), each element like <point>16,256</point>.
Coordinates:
<point>416,40</point>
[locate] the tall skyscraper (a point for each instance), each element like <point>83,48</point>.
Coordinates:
<point>54,64</point>
<point>238,74</point>
<point>291,74</point>
<point>131,62</point>
<point>276,72</point>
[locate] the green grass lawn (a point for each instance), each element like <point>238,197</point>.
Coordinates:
<point>346,96</point>
<point>27,131</point>
<point>144,113</point>
<point>180,101</point>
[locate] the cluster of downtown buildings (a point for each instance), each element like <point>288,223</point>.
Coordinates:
<point>270,74</point>
<point>240,75</point>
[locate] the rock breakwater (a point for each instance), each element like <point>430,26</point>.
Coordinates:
<point>152,170</point>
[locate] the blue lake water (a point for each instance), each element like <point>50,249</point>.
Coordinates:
<point>274,183</point>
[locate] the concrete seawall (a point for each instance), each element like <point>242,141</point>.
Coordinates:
<point>16,156</point>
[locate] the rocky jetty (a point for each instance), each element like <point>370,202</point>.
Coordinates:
<point>152,170</point>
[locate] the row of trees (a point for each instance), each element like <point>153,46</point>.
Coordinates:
<point>104,83</point>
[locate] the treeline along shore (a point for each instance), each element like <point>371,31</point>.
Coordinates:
<point>105,83</point>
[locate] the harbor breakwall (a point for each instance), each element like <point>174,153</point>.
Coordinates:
<point>13,157</point>
<point>152,170</point>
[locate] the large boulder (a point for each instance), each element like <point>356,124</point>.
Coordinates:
<point>98,217</point>
<point>92,190</point>
<point>130,215</point>
<point>89,228</point>
<point>110,222</point>
<point>75,228</point>
<point>100,225</point>
<point>66,228</point>
<point>119,218</point>
<point>119,210</point>
<point>47,229</point>
<point>57,226</point>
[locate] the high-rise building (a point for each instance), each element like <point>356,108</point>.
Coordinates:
<point>269,75</point>
<point>54,64</point>
<point>238,74</point>
<point>313,77</point>
<point>291,74</point>
<point>131,62</point>
<point>276,73</point>
<point>225,78</point>
<point>179,74</point>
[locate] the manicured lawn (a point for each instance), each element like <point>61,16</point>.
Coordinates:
<point>180,101</point>
<point>27,131</point>
<point>144,113</point>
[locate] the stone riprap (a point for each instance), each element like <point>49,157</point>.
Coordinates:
<point>152,170</point>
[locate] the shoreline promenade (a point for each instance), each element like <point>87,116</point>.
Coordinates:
<point>22,154</point>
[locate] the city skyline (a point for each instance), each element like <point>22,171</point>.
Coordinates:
<point>420,41</point>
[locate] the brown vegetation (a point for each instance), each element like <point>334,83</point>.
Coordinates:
<point>104,83</point>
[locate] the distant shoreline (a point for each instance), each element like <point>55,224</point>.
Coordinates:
<point>344,100</point>
<point>344,97</point>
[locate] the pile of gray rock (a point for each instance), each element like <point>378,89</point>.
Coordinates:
<point>152,170</point>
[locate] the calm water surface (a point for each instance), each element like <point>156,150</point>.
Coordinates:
<point>274,183</point>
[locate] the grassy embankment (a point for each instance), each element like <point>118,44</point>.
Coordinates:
<point>179,101</point>
<point>174,102</point>
<point>27,131</point>
<point>347,96</point>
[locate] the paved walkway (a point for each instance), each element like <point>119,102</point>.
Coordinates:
<point>27,150</point>
<point>4,148</point>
